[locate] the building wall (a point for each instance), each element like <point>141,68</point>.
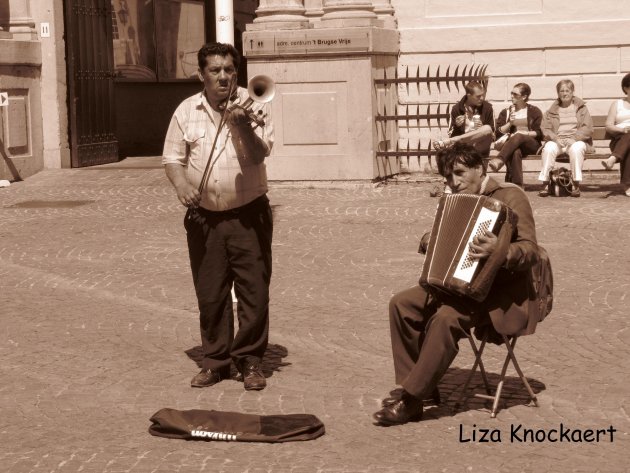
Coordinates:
<point>534,41</point>
<point>56,150</point>
<point>20,71</point>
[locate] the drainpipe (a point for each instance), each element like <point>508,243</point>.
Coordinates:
<point>224,13</point>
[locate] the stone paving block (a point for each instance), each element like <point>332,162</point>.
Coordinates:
<point>99,331</point>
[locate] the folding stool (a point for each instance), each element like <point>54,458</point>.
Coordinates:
<point>479,363</point>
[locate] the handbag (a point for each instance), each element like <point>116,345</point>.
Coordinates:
<point>560,182</point>
<point>498,144</point>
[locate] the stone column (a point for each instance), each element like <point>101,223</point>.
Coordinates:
<point>279,15</point>
<point>343,13</point>
<point>21,24</point>
<point>314,9</point>
<point>385,11</point>
<point>4,21</point>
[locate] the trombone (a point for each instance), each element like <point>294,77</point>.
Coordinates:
<point>261,89</point>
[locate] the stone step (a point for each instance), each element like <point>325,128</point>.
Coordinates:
<point>531,165</point>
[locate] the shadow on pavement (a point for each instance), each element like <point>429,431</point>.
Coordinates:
<point>513,394</point>
<point>271,362</point>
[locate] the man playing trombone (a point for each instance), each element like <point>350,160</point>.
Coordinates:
<point>214,157</point>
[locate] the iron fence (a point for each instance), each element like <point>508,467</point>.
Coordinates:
<point>408,130</point>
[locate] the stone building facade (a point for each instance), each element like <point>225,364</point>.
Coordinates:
<point>326,99</point>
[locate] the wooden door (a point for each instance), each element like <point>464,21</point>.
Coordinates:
<point>90,63</point>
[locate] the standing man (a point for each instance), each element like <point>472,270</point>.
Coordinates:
<point>425,328</point>
<point>229,223</point>
<point>472,120</point>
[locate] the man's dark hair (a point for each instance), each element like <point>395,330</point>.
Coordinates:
<point>458,152</point>
<point>217,49</point>
<point>472,85</point>
<point>625,83</point>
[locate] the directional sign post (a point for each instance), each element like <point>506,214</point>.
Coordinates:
<point>4,99</point>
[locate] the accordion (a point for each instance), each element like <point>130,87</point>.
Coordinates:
<point>448,266</point>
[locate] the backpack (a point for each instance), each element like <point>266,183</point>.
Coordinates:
<point>542,285</point>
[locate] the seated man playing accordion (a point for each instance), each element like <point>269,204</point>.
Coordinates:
<point>427,325</point>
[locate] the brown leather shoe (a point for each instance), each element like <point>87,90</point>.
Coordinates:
<point>406,409</point>
<point>253,377</point>
<point>208,377</point>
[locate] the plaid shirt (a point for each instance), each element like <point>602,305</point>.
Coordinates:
<point>234,180</point>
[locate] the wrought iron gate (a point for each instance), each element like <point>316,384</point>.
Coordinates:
<point>90,62</point>
<point>421,113</point>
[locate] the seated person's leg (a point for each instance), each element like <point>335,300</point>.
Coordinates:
<point>619,152</point>
<point>526,145</point>
<point>516,167</point>
<point>508,170</point>
<point>549,154</point>
<point>439,348</point>
<point>483,133</point>
<point>409,311</point>
<point>510,146</point>
<point>576,159</point>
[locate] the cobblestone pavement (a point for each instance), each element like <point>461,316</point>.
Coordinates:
<point>99,330</point>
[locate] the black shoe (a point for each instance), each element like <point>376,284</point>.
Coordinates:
<point>432,400</point>
<point>208,377</point>
<point>253,377</point>
<point>406,409</point>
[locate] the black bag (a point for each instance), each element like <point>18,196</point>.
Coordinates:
<point>560,182</point>
<point>197,424</point>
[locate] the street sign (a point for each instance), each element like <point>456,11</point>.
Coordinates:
<point>4,99</point>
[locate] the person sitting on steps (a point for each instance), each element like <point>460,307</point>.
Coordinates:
<point>568,128</point>
<point>472,121</point>
<point>522,121</point>
<point>618,125</point>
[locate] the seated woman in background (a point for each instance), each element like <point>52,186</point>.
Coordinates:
<point>568,128</point>
<point>522,122</point>
<point>618,125</point>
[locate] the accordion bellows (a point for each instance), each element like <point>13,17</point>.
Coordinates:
<point>448,266</point>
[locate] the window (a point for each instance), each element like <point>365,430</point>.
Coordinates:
<point>157,40</point>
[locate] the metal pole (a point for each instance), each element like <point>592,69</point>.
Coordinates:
<point>224,14</point>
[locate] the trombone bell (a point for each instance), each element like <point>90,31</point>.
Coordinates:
<point>261,88</point>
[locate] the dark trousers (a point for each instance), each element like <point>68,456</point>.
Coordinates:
<point>512,153</point>
<point>425,334</point>
<point>621,150</point>
<point>224,248</point>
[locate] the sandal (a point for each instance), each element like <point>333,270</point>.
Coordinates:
<point>609,163</point>
<point>495,164</point>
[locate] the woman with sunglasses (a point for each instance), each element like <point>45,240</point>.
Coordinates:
<point>521,123</point>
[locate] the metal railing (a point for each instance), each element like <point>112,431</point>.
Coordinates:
<point>424,121</point>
